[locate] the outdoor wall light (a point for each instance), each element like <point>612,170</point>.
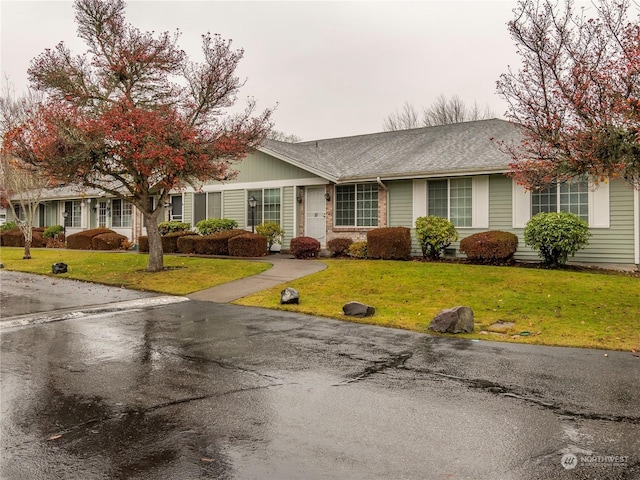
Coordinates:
<point>253,203</point>
<point>327,197</point>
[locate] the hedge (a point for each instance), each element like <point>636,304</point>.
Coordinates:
<point>339,247</point>
<point>248,245</point>
<point>216,244</point>
<point>389,243</point>
<point>304,247</point>
<point>108,241</point>
<point>84,240</point>
<point>492,247</point>
<point>15,238</point>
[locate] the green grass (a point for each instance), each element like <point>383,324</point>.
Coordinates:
<point>556,307</point>
<point>184,275</point>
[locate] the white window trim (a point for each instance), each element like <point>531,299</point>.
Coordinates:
<point>479,200</point>
<point>598,198</point>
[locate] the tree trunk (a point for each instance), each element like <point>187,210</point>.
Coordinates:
<point>156,258</point>
<point>27,233</point>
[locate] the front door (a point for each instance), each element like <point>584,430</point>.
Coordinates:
<point>315,213</point>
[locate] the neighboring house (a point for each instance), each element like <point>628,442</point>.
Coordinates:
<point>345,187</point>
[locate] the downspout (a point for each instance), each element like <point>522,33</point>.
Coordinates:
<point>636,226</point>
<point>382,184</point>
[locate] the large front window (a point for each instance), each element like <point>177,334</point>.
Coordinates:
<point>120,213</point>
<point>268,206</point>
<point>357,205</point>
<point>73,211</point>
<point>451,199</point>
<point>572,197</point>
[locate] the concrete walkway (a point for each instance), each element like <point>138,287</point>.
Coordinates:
<point>285,268</point>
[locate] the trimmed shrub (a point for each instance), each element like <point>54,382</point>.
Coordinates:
<point>53,231</point>
<point>358,250</point>
<point>216,244</point>
<point>248,245</point>
<point>304,247</point>
<point>170,240</point>
<point>210,226</point>
<point>556,235</point>
<point>108,241</point>
<point>339,247</point>
<point>173,226</point>
<point>143,244</point>
<point>493,247</point>
<point>272,232</point>
<point>434,235</point>
<point>8,226</point>
<point>15,238</point>
<point>389,243</point>
<point>84,240</point>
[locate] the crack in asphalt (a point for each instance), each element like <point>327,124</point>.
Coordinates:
<point>379,366</point>
<point>497,389</point>
<point>398,361</point>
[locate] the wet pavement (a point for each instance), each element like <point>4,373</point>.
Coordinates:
<point>189,389</point>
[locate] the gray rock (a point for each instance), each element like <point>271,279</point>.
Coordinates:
<point>357,309</point>
<point>59,267</point>
<point>289,295</point>
<point>453,320</point>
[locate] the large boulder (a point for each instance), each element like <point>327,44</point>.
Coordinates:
<point>289,296</point>
<point>59,267</point>
<point>357,309</point>
<point>453,320</point>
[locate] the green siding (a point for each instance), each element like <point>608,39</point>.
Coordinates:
<point>288,214</point>
<point>234,206</point>
<point>400,203</point>
<point>187,209</point>
<point>500,204</point>
<point>260,167</point>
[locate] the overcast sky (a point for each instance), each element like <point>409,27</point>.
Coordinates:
<point>334,68</point>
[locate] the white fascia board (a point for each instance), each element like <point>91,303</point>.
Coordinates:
<point>416,176</point>
<point>294,182</point>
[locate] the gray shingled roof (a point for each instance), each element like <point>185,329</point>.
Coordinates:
<point>446,149</point>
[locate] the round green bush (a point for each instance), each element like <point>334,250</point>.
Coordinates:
<point>209,226</point>
<point>53,231</point>
<point>173,226</point>
<point>556,236</point>
<point>492,247</point>
<point>434,235</point>
<point>8,226</point>
<point>272,232</point>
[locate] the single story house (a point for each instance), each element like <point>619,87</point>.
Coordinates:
<point>344,187</point>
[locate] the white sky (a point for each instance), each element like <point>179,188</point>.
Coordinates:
<point>334,68</point>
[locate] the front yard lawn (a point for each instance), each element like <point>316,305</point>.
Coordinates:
<point>551,307</point>
<point>182,276</point>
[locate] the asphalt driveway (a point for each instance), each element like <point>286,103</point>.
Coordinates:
<point>141,386</point>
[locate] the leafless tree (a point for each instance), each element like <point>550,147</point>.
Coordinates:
<point>443,111</point>
<point>21,185</point>
<point>283,137</point>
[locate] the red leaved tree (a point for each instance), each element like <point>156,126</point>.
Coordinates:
<point>577,93</point>
<point>134,117</point>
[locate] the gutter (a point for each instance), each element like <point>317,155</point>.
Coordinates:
<point>382,184</point>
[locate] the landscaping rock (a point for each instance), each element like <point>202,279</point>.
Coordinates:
<point>357,309</point>
<point>59,268</point>
<point>453,320</point>
<point>289,296</point>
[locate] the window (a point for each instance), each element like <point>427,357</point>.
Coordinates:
<point>73,211</point>
<point>572,197</point>
<point>267,208</point>
<point>357,205</point>
<point>451,199</point>
<point>206,205</point>
<point>176,208</point>
<point>120,213</point>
